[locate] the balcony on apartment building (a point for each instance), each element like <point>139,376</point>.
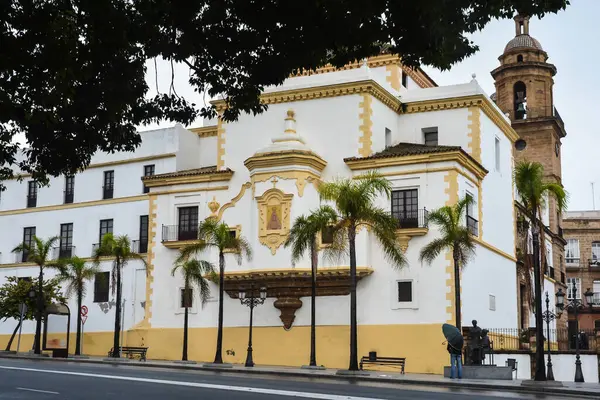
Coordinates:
<point>62,252</point>
<point>137,246</point>
<point>174,235</point>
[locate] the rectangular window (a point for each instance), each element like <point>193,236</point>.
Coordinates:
<point>472,223</point>
<point>572,252</point>
<point>572,285</point>
<point>404,79</point>
<point>186,298</point>
<point>388,138</point>
<point>101,287</point>
<point>148,171</point>
<point>430,136</point>
<point>497,153</point>
<point>143,234</point>
<point>106,226</point>
<point>109,185</point>
<point>188,223</point>
<point>596,252</point>
<point>28,234</point>
<point>405,292</point>
<point>327,235</point>
<point>66,241</point>
<point>31,194</point>
<point>69,189</point>
<point>405,208</point>
<point>596,290</point>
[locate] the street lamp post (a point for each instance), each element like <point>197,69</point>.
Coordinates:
<point>575,304</point>
<point>251,302</point>
<point>548,316</point>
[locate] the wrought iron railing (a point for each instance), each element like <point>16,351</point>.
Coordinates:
<point>21,256</point>
<point>31,201</point>
<point>594,262</point>
<point>107,192</point>
<point>69,196</point>
<point>174,233</point>
<point>472,226</point>
<point>139,246</point>
<point>560,339</point>
<point>95,248</point>
<point>572,262</point>
<point>63,252</point>
<point>412,219</point>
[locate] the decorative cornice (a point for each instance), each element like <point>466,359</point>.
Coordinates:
<point>178,244</point>
<point>318,92</point>
<point>220,176</point>
<point>478,100</point>
<point>205,131</point>
<point>117,200</point>
<point>285,159</point>
<point>233,201</point>
<point>296,272</point>
<point>494,249</point>
<point>459,157</point>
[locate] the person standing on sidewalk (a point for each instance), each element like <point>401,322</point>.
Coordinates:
<point>455,362</point>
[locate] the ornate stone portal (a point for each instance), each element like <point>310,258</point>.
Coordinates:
<point>289,285</point>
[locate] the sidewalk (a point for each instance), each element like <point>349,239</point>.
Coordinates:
<point>566,388</point>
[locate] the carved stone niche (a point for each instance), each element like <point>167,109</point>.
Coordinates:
<point>287,286</point>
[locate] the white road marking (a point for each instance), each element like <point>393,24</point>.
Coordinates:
<point>37,391</point>
<point>275,392</point>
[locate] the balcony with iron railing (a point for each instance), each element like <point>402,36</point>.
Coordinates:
<point>21,257</point>
<point>107,192</point>
<point>410,224</point>
<point>472,226</point>
<point>63,252</point>
<point>69,196</point>
<point>175,236</point>
<point>31,201</point>
<point>572,263</point>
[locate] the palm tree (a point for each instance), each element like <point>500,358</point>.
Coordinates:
<point>193,272</point>
<point>355,203</point>
<point>303,236</point>
<point>118,247</point>
<point>38,252</point>
<point>533,191</point>
<point>455,236</point>
<point>75,273</point>
<point>213,234</point>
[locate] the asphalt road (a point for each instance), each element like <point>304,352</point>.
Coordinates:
<point>39,380</point>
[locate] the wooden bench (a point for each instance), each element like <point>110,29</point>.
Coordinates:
<point>386,361</point>
<point>131,351</point>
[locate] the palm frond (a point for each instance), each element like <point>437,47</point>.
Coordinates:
<point>194,272</point>
<point>558,192</point>
<point>384,227</point>
<point>433,249</point>
<point>301,237</point>
<point>190,250</point>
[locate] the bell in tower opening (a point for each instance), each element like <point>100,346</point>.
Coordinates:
<point>520,91</point>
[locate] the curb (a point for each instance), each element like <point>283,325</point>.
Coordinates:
<point>334,377</point>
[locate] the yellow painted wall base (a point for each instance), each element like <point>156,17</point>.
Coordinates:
<point>420,344</point>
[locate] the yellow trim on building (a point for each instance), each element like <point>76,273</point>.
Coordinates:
<point>474,134</point>
<point>368,86</point>
<point>452,198</point>
<point>116,200</point>
<point>479,100</point>
<point>278,202</point>
<point>220,143</point>
<point>152,240</point>
<point>286,159</point>
<point>365,112</point>
<point>480,209</point>
<point>456,156</point>
<point>190,190</point>
<point>222,176</point>
<point>425,171</point>
<point>300,176</point>
<point>233,201</point>
<point>205,131</point>
<point>494,249</point>
<point>393,76</point>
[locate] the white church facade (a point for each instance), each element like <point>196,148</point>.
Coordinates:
<point>434,144</point>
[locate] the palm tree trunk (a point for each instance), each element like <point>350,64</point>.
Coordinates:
<point>117,333</point>
<point>457,290</point>
<point>12,337</point>
<point>38,315</point>
<point>184,356</point>
<point>218,355</point>
<point>78,337</point>
<point>313,309</point>
<point>353,322</point>
<point>540,369</point>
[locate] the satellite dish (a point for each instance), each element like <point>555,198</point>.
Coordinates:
<point>520,144</point>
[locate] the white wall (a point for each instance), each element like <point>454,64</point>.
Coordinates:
<point>563,366</point>
<point>523,363</point>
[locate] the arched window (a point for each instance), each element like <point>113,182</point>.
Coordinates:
<point>520,58</point>
<point>520,100</point>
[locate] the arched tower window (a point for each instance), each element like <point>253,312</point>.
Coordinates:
<point>520,102</point>
<point>520,58</point>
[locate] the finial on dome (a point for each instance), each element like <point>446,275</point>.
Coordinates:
<point>290,122</point>
<point>521,25</point>
<point>474,76</point>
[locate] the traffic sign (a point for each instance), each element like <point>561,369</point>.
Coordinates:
<point>84,311</point>
<point>22,308</point>
<point>83,319</point>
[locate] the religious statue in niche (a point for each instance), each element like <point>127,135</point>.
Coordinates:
<point>274,218</point>
<point>274,214</point>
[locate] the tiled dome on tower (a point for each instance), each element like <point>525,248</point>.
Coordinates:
<point>522,40</point>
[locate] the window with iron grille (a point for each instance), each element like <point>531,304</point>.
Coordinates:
<point>188,223</point>
<point>69,189</point>
<point>143,234</point>
<point>28,234</point>
<point>101,287</point>
<point>405,292</point>
<point>148,171</point>
<point>186,298</point>
<point>106,226</point>
<point>66,241</point>
<point>109,184</point>
<point>32,194</point>
<point>405,207</point>
<point>430,136</point>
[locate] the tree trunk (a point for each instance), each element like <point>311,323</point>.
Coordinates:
<point>184,356</point>
<point>117,333</point>
<point>37,349</point>
<point>540,368</point>
<point>353,323</point>
<point>218,355</point>
<point>457,290</point>
<point>313,298</point>
<point>12,337</point>
<point>78,337</point>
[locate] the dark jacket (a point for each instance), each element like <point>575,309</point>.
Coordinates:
<point>453,350</point>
